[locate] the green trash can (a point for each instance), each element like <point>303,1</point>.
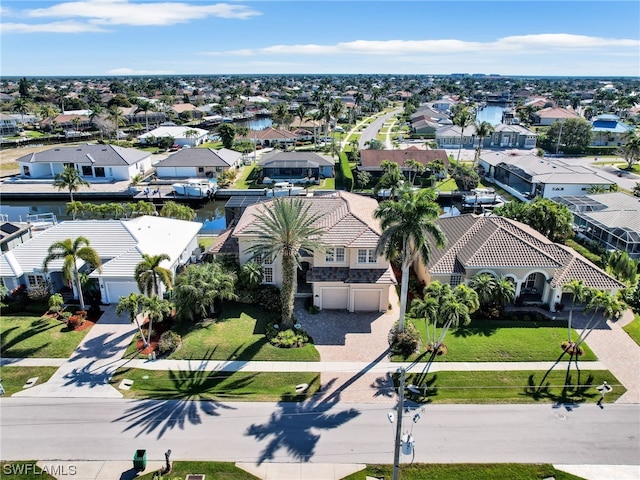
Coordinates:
<point>140,460</point>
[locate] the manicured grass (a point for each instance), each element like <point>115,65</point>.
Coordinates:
<point>228,386</point>
<point>447,185</point>
<point>27,470</point>
<point>27,335</point>
<point>466,471</point>
<point>13,378</point>
<point>212,470</point>
<point>503,341</point>
<point>633,329</point>
<point>238,334</point>
<point>205,241</point>
<point>515,386</point>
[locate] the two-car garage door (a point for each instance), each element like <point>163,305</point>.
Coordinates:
<point>337,298</point>
<point>115,290</point>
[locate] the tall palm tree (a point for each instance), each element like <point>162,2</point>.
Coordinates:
<point>70,179</point>
<point>70,251</point>
<point>283,229</point>
<point>483,130</point>
<point>156,308</point>
<point>149,274</point>
<point>599,302</point>
<point>145,106</point>
<point>406,225</point>
<point>132,305</point>
<point>392,178</point>
<point>578,291</point>
<point>117,117</point>
<point>462,119</point>
<point>280,113</point>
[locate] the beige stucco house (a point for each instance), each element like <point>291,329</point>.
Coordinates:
<point>347,275</point>
<point>538,267</point>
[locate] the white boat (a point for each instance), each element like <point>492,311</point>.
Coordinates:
<point>195,188</point>
<point>482,197</point>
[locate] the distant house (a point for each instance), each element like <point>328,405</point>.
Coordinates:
<point>448,136</point>
<point>537,267</point>
<point>347,275</point>
<point>296,167</point>
<point>182,109</point>
<point>445,104</point>
<point>13,234</point>
<point>120,245</point>
<point>511,136</point>
<point>198,162</point>
<point>370,160</point>
<point>183,136</point>
<point>527,176</point>
<point>610,219</point>
<point>608,130</point>
<point>95,163</point>
<point>67,122</point>
<point>8,125</point>
<point>550,115</point>
<point>270,137</point>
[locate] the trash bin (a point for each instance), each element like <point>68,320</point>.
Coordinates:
<point>140,460</point>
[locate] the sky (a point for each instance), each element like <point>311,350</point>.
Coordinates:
<point>133,37</point>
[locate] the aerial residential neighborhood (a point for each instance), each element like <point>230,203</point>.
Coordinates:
<point>271,272</point>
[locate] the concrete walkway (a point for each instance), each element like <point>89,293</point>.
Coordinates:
<point>87,371</point>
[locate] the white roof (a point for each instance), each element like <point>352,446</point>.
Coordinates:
<point>120,244</point>
<point>173,131</point>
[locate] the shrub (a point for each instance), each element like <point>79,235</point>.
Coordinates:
<point>290,338</point>
<point>169,341</point>
<point>404,343</point>
<point>56,302</point>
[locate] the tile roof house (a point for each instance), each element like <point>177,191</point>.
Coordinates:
<point>610,219</point>
<point>120,244</point>
<point>548,116</point>
<point>94,162</point>
<point>608,130</point>
<point>347,275</point>
<point>198,162</point>
<point>538,267</point>
<point>527,176</point>
<point>269,137</point>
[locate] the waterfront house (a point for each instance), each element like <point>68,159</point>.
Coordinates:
<point>538,267</point>
<point>370,160</point>
<point>120,245</point>
<point>296,167</point>
<point>183,136</point>
<point>198,162</point>
<point>347,274</point>
<point>550,115</point>
<point>608,130</point>
<point>94,162</point>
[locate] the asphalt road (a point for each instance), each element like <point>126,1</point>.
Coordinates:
<point>319,432</point>
<point>371,130</point>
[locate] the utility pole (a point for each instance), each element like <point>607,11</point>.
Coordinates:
<point>559,137</point>
<point>396,451</point>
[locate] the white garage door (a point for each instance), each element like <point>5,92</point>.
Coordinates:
<point>366,301</point>
<point>115,290</point>
<point>335,298</point>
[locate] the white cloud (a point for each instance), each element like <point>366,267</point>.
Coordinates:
<point>132,71</point>
<point>522,43</point>
<point>53,27</point>
<point>122,12</point>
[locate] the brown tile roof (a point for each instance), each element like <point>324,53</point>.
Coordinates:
<point>496,242</point>
<point>347,219</point>
<point>373,158</point>
<point>225,244</point>
<point>351,275</point>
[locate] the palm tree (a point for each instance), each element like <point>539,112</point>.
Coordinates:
<point>145,106</point>
<point>578,291</point>
<point>200,287</point>
<point>251,274</point>
<point>504,292</point>
<point>483,130</point>
<point>406,224</point>
<point>599,301</point>
<point>392,178</point>
<point>631,149</point>
<point>280,113</point>
<point>484,285</point>
<point>282,231</point>
<point>117,117</point>
<point>70,251</point>
<point>70,179</point>
<point>462,119</point>
<point>21,105</point>
<point>156,309</point>
<point>132,304</point>
<point>149,274</point>
<point>415,168</point>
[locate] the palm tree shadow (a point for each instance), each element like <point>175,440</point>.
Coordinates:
<point>293,426</point>
<point>37,326</point>
<point>181,403</point>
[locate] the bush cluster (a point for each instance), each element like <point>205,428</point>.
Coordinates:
<point>404,343</point>
<point>169,341</point>
<point>290,338</point>
<point>266,297</point>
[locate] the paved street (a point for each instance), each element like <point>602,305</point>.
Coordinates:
<point>112,429</point>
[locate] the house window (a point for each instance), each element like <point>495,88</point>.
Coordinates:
<point>200,169</point>
<point>367,255</point>
<point>267,275</point>
<point>219,169</point>
<point>26,171</point>
<point>99,172</point>
<point>86,171</point>
<point>334,255</point>
<point>35,280</point>
<point>262,260</point>
<point>455,280</point>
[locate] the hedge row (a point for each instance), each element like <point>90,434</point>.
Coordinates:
<point>346,173</point>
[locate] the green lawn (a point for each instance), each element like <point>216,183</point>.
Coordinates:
<point>515,386</point>
<point>465,471</point>
<point>633,329</point>
<point>238,334</point>
<point>212,470</point>
<point>228,386</point>
<point>205,241</point>
<point>503,341</point>
<point>28,470</point>
<point>28,335</point>
<point>13,378</point>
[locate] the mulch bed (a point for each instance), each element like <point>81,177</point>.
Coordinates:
<point>91,319</point>
<point>159,328</point>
